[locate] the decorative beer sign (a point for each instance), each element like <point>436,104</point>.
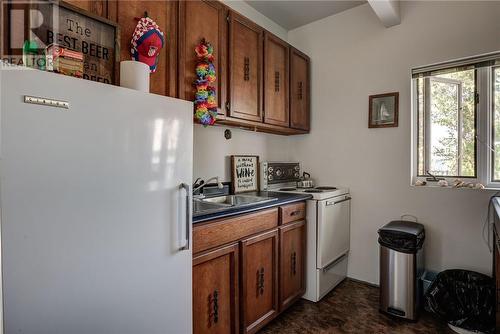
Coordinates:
<point>244,173</point>
<point>71,28</point>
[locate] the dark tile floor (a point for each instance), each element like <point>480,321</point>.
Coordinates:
<point>352,307</point>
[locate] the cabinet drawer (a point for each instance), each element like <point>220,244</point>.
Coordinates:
<point>292,212</point>
<point>223,231</point>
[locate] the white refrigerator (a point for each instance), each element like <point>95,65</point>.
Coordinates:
<point>95,207</point>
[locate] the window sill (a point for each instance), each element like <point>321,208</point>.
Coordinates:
<point>452,187</point>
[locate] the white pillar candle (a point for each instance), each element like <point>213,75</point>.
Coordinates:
<point>134,75</point>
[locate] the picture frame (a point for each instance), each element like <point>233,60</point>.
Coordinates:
<point>244,173</point>
<point>73,28</point>
<point>383,110</point>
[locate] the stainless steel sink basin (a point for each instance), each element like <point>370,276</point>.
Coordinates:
<point>220,203</point>
<point>206,207</point>
<point>238,200</point>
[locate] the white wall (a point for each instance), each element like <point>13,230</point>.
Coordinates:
<point>245,9</point>
<point>212,150</point>
<point>354,56</point>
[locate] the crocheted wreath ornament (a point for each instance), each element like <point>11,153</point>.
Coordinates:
<point>205,107</point>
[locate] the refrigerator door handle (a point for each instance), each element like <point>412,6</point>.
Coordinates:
<point>187,188</point>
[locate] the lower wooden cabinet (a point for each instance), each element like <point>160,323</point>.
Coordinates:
<point>259,256</point>
<point>215,291</point>
<point>292,262</point>
<point>247,269</point>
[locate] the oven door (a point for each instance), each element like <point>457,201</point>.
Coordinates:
<point>334,216</point>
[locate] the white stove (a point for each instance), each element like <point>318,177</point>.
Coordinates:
<point>283,177</point>
<point>318,193</point>
<point>328,226</point>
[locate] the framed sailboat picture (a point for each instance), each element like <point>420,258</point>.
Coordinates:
<point>383,110</point>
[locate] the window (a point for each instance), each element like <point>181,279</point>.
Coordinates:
<point>456,120</point>
<point>447,125</point>
<point>496,125</point>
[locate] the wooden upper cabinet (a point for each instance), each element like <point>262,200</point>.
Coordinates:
<point>197,20</point>
<point>299,90</point>
<point>245,68</point>
<point>292,262</point>
<point>215,291</point>
<point>259,280</point>
<point>276,55</point>
<point>164,13</point>
<point>98,7</point>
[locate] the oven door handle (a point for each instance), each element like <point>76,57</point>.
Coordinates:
<point>334,262</point>
<point>337,202</point>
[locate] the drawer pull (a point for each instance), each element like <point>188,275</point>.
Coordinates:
<point>277,81</point>
<point>216,307</point>
<point>246,69</point>
<point>295,213</point>
<point>260,281</point>
<point>213,308</point>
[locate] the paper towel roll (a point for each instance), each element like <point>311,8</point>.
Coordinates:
<point>134,75</point>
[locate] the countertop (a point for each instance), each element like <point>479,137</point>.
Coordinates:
<point>282,198</point>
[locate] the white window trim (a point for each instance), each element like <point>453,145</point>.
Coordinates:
<point>484,134</point>
<point>488,148</point>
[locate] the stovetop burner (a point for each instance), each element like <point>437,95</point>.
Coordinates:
<point>288,189</point>
<point>326,188</point>
<point>313,191</point>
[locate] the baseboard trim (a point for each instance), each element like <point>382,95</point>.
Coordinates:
<point>363,282</point>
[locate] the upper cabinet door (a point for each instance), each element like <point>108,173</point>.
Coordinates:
<point>299,90</point>
<point>197,20</point>
<point>98,7</point>
<point>245,68</point>
<point>276,55</point>
<point>162,81</point>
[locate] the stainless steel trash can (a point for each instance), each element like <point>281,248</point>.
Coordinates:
<point>401,267</point>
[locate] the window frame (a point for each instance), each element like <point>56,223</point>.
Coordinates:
<point>492,183</point>
<point>484,121</point>
<point>427,103</point>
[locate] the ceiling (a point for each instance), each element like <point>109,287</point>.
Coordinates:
<point>291,14</point>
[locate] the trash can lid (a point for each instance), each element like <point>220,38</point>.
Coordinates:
<point>403,226</point>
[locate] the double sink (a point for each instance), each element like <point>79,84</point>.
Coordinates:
<point>203,206</point>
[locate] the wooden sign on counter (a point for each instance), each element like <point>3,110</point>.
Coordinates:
<point>244,173</point>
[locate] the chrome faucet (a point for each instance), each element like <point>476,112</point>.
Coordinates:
<point>203,183</point>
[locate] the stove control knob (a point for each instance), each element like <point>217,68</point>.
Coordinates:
<point>297,174</point>
<point>270,169</point>
<point>270,177</point>
<point>279,172</point>
<point>297,168</point>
